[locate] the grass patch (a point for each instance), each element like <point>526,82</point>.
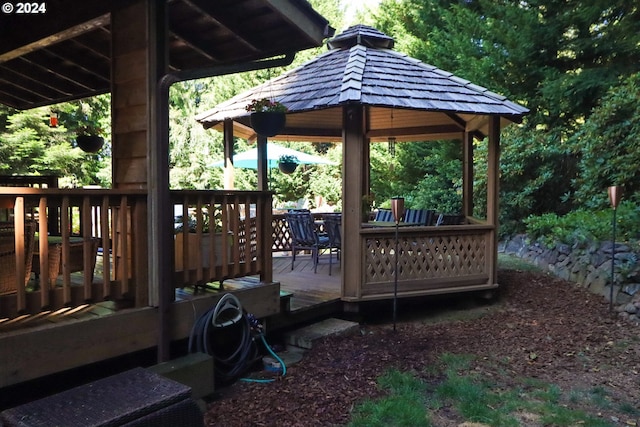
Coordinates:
<point>457,387</point>
<point>404,405</point>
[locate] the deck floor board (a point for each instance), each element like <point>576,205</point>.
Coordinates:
<point>307,289</point>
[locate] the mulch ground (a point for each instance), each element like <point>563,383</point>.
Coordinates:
<point>538,327</point>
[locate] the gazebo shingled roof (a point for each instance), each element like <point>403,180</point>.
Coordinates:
<point>361,67</point>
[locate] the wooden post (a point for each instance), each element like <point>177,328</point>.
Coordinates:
<point>354,150</point>
<point>265,231</point>
<point>467,175</point>
<point>493,196</point>
<point>21,252</point>
<point>130,95</point>
<point>263,164</point>
<point>229,171</point>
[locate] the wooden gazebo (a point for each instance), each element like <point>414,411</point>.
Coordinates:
<point>134,50</point>
<point>362,91</point>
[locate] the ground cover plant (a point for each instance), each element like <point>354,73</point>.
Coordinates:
<point>544,353</point>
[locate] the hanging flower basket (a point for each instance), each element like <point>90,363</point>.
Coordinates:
<point>268,123</point>
<point>287,167</point>
<point>287,164</point>
<point>90,143</point>
<point>267,117</point>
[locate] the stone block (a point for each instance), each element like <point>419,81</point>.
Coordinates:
<point>304,337</point>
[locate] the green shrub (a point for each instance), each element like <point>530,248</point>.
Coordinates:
<point>583,226</point>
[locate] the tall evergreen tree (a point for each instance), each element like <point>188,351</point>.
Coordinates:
<point>557,57</point>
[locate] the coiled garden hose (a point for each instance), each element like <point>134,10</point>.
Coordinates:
<point>224,332</point>
<point>227,326</point>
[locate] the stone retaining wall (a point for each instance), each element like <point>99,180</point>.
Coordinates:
<point>590,266</point>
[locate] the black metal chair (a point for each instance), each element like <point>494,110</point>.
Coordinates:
<point>333,225</point>
<point>304,236</point>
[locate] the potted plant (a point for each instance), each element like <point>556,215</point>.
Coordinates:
<point>367,204</point>
<point>287,163</point>
<point>267,117</point>
<point>89,138</point>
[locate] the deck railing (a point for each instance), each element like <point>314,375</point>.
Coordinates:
<point>221,235</point>
<point>97,248</point>
<point>89,225</point>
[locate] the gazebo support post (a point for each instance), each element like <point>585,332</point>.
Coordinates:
<point>355,150</point>
<point>263,168</point>
<point>467,175</point>
<point>229,171</point>
<point>493,196</point>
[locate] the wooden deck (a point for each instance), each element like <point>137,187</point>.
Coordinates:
<point>308,288</point>
<point>304,295</point>
<point>305,289</point>
<point>73,337</point>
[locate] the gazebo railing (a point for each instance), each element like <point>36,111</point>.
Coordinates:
<point>431,260</point>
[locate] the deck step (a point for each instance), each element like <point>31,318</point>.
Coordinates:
<point>137,397</point>
<point>304,337</point>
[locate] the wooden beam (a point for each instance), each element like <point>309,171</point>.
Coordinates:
<point>292,13</point>
<point>308,131</point>
<point>417,130</point>
<point>229,172</point>
<point>57,37</point>
<point>189,40</point>
<point>208,10</point>
<point>493,195</point>
<point>263,168</point>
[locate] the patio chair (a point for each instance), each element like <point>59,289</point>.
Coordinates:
<point>384,215</point>
<point>304,236</point>
<point>332,225</point>
<point>418,216</point>
<point>8,255</point>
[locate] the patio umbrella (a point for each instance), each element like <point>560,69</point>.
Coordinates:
<point>249,159</point>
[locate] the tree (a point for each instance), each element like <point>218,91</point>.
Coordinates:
<point>609,144</point>
<point>29,146</point>
<point>556,57</point>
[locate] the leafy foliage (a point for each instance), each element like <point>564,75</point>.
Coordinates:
<point>582,226</point>
<point>609,146</point>
<point>29,146</point>
<point>556,58</point>
<point>263,105</point>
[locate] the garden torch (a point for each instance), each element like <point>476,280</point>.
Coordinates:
<point>397,210</point>
<point>615,193</point>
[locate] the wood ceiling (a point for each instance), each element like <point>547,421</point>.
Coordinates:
<point>65,52</point>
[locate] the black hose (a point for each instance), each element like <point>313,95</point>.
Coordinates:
<point>229,341</point>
